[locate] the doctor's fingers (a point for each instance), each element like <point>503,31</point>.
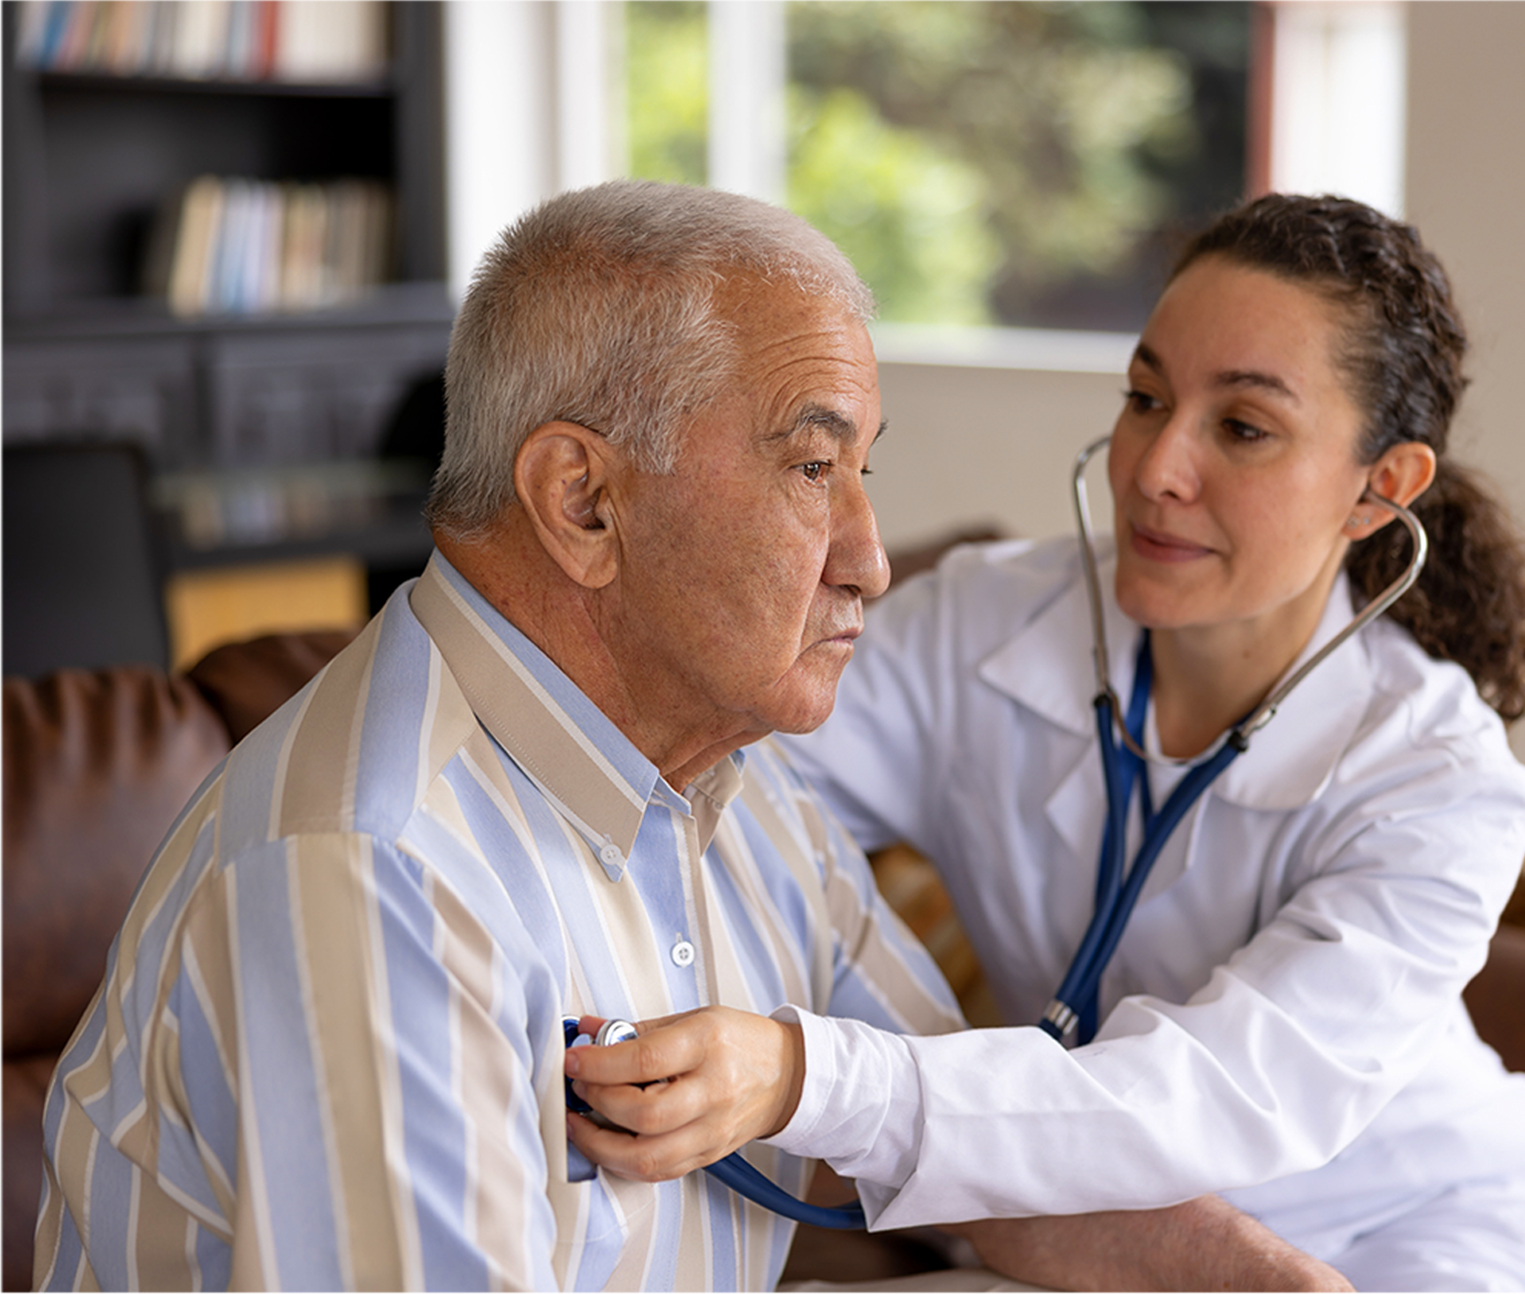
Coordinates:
<point>643,1159</point>
<point>723,1047</point>
<point>662,1049</point>
<point>739,1073</point>
<point>714,1121</point>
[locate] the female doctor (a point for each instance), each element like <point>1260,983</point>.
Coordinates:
<point>1281,1021</point>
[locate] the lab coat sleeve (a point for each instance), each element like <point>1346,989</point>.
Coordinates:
<point>1276,1064</point>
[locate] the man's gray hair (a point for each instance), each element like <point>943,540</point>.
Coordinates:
<point>598,308</point>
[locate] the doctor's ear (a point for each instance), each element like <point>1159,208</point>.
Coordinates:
<point>562,480</point>
<point>1402,474</point>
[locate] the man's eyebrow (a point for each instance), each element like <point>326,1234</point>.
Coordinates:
<point>1233,377</point>
<point>820,417</point>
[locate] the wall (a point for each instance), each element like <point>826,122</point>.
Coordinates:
<point>974,445</point>
<point>1466,193</point>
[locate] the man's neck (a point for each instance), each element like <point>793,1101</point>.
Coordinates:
<point>561,619</point>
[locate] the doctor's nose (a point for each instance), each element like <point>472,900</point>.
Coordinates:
<point>1168,466</point>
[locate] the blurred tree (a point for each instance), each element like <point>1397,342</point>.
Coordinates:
<point>1008,161</point>
<point>1077,135</point>
<point>667,89</point>
<point>909,215</point>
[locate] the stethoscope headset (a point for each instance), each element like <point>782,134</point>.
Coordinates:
<point>1073,1008</point>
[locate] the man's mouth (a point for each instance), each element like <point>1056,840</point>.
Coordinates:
<point>844,636</point>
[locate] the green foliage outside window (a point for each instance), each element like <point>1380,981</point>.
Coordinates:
<point>667,90</point>
<point>910,216</point>
<point>1002,161</point>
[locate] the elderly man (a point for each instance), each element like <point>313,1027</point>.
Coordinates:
<point>329,1049</point>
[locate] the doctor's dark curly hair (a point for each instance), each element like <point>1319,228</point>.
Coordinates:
<point>1403,348</point>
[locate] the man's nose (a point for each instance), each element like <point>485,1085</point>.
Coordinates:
<point>857,559</point>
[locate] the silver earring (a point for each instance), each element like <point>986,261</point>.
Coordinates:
<point>1360,521</point>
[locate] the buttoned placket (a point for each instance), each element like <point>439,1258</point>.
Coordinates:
<point>686,947</point>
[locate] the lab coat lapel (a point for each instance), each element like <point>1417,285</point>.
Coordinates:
<point>1048,668</point>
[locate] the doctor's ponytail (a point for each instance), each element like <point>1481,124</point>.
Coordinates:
<point>1402,353</point>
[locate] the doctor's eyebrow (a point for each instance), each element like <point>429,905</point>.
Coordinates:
<point>1233,377</point>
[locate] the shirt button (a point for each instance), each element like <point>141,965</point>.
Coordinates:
<point>611,855</point>
<point>683,953</point>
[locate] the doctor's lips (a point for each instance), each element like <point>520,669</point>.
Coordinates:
<point>1162,547</point>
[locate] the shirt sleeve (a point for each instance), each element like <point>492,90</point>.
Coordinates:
<point>1283,1057</point>
<point>354,1080</point>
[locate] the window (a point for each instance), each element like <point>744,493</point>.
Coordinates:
<point>982,163</point>
<point>1014,163</point>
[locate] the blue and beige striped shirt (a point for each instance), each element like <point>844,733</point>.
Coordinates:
<point>328,1049</point>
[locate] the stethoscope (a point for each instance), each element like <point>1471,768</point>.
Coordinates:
<point>1073,1008</point>
<point>733,1170</point>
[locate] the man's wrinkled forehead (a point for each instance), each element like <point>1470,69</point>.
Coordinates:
<point>803,360</point>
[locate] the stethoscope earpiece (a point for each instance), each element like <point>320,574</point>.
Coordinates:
<point>1261,715</point>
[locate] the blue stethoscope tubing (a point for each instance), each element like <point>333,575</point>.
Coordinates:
<point>745,1180</point>
<point>1123,758</point>
<point>1075,1004</point>
<point>733,1170</point>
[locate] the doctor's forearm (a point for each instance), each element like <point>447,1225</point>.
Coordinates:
<point>1003,1122</point>
<point>1204,1244</point>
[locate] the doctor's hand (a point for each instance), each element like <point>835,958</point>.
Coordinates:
<point>1203,1244</point>
<point>688,1091</point>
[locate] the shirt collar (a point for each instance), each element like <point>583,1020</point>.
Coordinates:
<point>564,743</point>
<point>1289,761</point>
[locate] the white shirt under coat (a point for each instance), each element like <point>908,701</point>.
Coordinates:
<point>1282,1019</point>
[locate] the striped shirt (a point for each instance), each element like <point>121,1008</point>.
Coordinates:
<point>328,1049</point>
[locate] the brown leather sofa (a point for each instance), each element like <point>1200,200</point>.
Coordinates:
<point>97,766</point>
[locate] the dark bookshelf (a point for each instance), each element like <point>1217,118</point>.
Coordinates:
<point>91,160</point>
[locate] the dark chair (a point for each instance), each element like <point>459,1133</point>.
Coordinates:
<point>83,586</point>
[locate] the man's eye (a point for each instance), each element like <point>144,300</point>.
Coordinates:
<point>815,471</point>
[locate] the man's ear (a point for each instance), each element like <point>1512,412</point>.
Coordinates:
<point>1402,474</point>
<point>562,479</point>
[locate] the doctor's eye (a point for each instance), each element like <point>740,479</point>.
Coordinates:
<point>1243,431</point>
<point>1139,401</point>
<point>815,471</point>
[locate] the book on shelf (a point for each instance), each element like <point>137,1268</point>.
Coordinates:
<point>302,41</point>
<point>241,246</point>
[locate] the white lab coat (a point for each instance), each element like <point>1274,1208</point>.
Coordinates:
<point>1282,1020</point>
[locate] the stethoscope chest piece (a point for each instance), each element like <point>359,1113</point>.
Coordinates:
<point>734,1171</point>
